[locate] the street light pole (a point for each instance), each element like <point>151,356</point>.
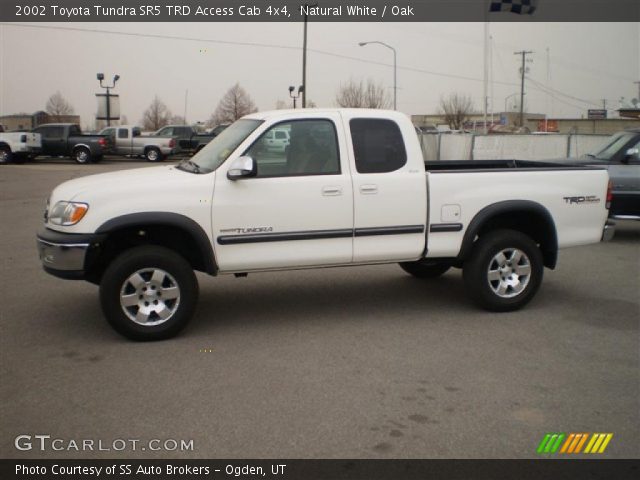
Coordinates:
<point>100,77</point>
<point>295,97</point>
<point>395,69</point>
<point>507,99</point>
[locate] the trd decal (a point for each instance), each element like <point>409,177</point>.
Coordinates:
<point>582,200</point>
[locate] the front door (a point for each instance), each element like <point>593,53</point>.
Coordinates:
<point>298,209</point>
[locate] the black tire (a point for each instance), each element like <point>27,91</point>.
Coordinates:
<point>170,270</point>
<point>503,286</point>
<point>6,156</point>
<point>425,268</point>
<point>153,155</point>
<point>82,155</point>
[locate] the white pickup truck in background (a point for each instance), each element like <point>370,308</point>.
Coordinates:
<point>18,146</point>
<point>351,188</point>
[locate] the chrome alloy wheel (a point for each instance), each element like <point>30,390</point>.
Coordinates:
<point>509,273</point>
<point>82,156</point>
<point>150,296</point>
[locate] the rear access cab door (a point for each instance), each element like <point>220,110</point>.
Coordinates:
<point>54,139</point>
<point>389,187</point>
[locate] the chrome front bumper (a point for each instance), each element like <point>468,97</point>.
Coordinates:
<point>62,256</point>
<point>65,255</point>
<point>608,231</point>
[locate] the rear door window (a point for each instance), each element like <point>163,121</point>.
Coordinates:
<point>378,145</point>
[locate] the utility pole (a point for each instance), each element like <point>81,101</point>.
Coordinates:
<point>638,83</point>
<point>304,64</point>
<point>304,53</point>
<point>524,61</point>
<point>604,103</point>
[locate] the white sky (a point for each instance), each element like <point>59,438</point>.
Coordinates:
<point>588,61</point>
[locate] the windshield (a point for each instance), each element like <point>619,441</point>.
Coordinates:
<point>613,145</point>
<point>218,150</point>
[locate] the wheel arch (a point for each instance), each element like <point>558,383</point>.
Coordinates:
<point>172,230</point>
<point>528,217</point>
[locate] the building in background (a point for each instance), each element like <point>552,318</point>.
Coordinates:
<point>26,121</point>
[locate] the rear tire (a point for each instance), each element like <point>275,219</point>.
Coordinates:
<point>504,270</point>
<point>5,155</point>
<point>82,155</point>
<point>425,268</point>
<point>149,293</point>
<point>153,155</point>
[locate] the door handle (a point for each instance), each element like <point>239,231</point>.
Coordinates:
<point>331,191</point>
<point>368,189</point>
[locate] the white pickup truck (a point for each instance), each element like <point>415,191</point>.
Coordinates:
<point>350,189</point>
<point>18,146</point>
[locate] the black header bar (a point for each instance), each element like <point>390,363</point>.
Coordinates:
<point>578,468</point>
<point>322,11</point>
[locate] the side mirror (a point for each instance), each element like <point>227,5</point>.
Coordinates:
<point>242,167</point>
<point>631,154</point>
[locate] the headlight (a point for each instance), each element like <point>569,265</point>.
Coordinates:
<point>67,213</point>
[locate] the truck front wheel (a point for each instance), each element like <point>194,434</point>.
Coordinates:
<point>504,270</point>
<point>425,268</point>
<point>149,293</point>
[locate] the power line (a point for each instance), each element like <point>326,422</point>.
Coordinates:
<point>551,90</point>
<point>254,44</point>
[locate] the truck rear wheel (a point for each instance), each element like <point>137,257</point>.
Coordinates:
<point>504,270</point>
<point>153,155</point>
<point>82,155</point>
<point>149,293</point>
<point>425,268</point>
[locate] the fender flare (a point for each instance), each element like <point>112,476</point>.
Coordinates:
<point>550,252</point>
<point>191,227</point>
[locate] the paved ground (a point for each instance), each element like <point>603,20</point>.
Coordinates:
<point>362,363</point>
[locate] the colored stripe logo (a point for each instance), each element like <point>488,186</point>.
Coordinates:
<point>573,443</point>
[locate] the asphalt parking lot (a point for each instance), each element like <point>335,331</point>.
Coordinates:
<point>364,362</point>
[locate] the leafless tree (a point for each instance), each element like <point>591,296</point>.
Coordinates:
<point>281,104</point>
<point>156,116</point>
<point>123,120</point>
<point>58,106</point>
<point>456,109</point>
<point>236,103</point>
<point>177,120</point>
<point>362,95</point>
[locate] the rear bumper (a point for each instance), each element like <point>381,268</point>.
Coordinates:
<point>28,150</point>
<point>65,255</point>
<point>608,231</point>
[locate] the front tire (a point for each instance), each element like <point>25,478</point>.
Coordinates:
<point>504,270</point>
<point>425,268</point>
<point>153,155</point>
<point>149,293</point>
<point>82,155</point>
